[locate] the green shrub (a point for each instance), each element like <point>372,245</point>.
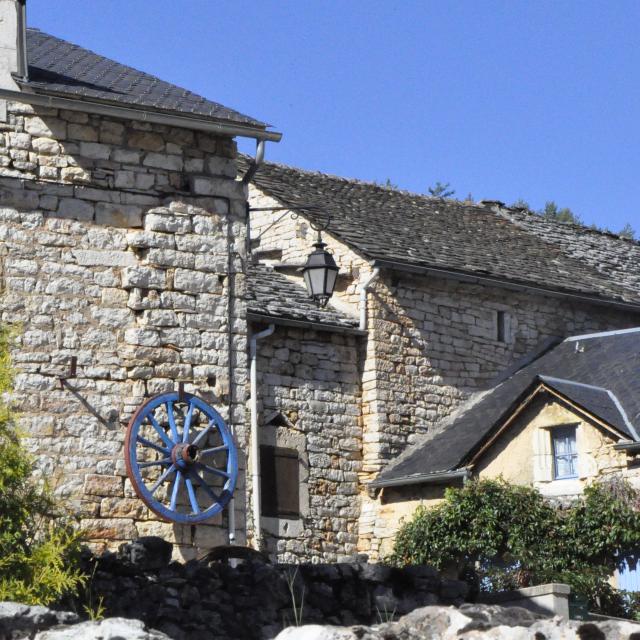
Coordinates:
<point>502,536</point>
<point>38,545</point>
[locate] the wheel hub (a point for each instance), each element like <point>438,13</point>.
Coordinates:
<point>184,454</point>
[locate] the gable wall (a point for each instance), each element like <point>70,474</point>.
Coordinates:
<point>523,454</point>
<point>114,248</point>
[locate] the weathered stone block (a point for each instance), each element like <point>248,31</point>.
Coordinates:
<point>143,278</point>
<point>109,529</point>
<point>167,222</point>
<point>163,161</point>
<point>47,128</point>
<point>46,146</point>
<point>97,485</point>
<point>104,258</point>
<point>146,140</point>
<point>95,150</point>
<point>82,132</point>
<point>118,215</point>
<point>196,281</point>
<point>122,508</point>
<point>74,208</point>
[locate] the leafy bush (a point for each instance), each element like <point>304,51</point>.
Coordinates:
<point>38,545</point>
<point>501,536</point>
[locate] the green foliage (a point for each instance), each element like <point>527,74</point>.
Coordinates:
<point>508,536</point>
<point>440,190</point>
<point>552,211</point>
<point>38,546</point>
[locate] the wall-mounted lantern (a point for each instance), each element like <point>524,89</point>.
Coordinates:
<point>320,271</point>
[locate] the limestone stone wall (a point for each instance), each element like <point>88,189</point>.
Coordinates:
<point>121,243</point>
<point>309,393</point>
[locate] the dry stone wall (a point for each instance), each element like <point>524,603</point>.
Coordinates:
<point>310,401</point>
<point>121,243</point>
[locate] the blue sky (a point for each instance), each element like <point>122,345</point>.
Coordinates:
<point>531,99</point>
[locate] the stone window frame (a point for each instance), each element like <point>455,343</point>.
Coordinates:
<point>283,434</point>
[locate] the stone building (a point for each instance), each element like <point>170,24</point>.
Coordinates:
<point>122,244</point>
<point>557,422</point>
<point>128,264</point>
<point>457,294</point>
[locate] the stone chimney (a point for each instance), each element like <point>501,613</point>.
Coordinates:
<point>13,43</point>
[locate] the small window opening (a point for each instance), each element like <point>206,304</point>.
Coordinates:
<point>280,482</point>
<point>565,453</point>
<point>501,326</point>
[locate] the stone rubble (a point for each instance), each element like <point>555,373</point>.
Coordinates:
<point>471,622</point>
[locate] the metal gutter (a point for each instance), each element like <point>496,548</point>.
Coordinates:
<point>304,324</point>
<point>423,478</point>
<point>630,447</point>
<point>130,113</point>
<point>505,284</point>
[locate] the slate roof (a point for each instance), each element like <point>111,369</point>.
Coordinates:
<point>608,361</point>
<point>411,230</point>
<point>64,69</point>
<point>272,295</point>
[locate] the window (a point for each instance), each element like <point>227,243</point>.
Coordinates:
<point>565,454</point>
<point>501,326</point>
<point>629,578</point>
<point>280,486</point>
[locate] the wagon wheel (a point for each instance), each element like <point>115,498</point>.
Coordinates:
<point>181,458</point>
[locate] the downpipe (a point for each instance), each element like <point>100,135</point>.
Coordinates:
<point>255,447</point>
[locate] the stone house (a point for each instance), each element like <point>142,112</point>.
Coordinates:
<point>128,264</point>
<point>457,294</point>
<point>122,244</point>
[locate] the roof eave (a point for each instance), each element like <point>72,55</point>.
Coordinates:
<point>441,477</point>
<point>54,100</point>
<point>463,276</point>
<point>304,324</point>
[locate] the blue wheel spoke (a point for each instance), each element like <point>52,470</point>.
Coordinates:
<point>161,432</point>
<point>172,421</point>
<point>154,463</point>
<point>224,447</point>
<point>204,486</point>
<point>187,422</point>
<point>212,470</point>
<point>174,492</point>
<point>203,433</point>
<point>192,495</point>
<point>162,478</point>
<point>148,443</point>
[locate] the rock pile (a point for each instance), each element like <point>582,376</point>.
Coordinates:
<point>471,622</point>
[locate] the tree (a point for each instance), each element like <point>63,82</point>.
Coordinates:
<point>507,536</point>
<point>38,546</point>
<point>627,232</point>
<point>440,190</point>
<point>551,211</point>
